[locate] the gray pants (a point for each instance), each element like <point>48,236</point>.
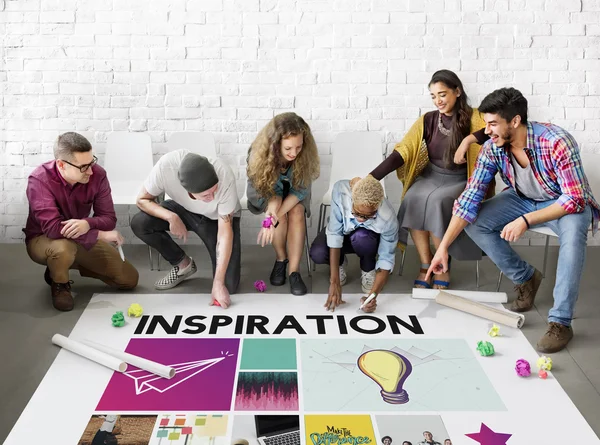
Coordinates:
<point>153,231</point>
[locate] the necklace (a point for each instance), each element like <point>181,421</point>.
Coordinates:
<point>441,127</point>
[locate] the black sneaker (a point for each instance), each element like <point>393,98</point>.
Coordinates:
<point>297,286</point>
<point>278,273</point>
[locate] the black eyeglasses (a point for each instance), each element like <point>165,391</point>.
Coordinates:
<point>360,215</point>
<point>85,167</point>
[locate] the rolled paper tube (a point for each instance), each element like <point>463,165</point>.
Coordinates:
<point>482,297</point>
<point>90,353</point>
<point>147,365</point>
<point>512,319</point>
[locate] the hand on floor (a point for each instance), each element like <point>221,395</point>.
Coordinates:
<point>220,294</point>
<point>335,297</point>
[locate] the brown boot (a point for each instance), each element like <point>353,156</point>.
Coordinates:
<point>556,338</point>
<point>61,296</point>
<point>526,293</point>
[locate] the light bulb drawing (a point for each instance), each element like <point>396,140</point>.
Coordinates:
<point>389,370</point>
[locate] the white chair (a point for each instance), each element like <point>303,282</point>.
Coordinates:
<point>591,165</point>
<point>128,162</point>
<point>353,154</point>
<point>196,141</point>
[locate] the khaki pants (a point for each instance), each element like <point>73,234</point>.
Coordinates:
<point>102,261</point>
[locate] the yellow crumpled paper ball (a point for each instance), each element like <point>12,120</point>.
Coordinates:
<point>135,310</point>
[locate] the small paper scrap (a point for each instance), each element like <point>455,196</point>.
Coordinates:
<point>543,374</point>
<point>485,348</point>
<point>118,320</point>
<point>135,310</point>
<point>260,286</point>
<point>494,331</point>
<point>544,363</point>
<point>523,368</point>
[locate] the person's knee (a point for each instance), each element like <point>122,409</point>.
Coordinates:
<point>364,242</point>
<point>232,284</point>
<point>318,253</point>
<point>63,249</point>
<point>139,224</point>
<point>128,278</point>
<point>296,213</point>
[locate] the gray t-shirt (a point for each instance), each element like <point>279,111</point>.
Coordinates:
<point>527,183</point>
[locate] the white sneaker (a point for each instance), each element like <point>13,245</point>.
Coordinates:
<point>343,276</point>
<point>367,280</point>
<point>176,276</point>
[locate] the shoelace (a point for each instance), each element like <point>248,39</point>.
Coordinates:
<point>554,330</point>
<point>66,285</point>
<point>520,293</point>
<point>280,267</point>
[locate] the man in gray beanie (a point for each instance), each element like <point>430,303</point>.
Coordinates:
<point>201,196</point>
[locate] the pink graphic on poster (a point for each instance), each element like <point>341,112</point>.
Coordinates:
<point>203,381</point>
<point>267,391</point>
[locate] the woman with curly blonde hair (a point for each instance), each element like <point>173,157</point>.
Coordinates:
<point>282,164</point>
<point>363,222</point>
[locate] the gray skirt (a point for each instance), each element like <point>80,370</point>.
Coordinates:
<point>428,204</point>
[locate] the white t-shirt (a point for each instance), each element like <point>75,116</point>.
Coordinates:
<point>109,423</point>
<point>164,178</point>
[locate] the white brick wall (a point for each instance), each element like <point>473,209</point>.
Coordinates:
<point>227,66</point>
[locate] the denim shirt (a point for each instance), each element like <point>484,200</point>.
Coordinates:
<point>342,222</point>
<point>258,204</point>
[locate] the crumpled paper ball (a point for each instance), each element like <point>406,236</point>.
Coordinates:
<point>544,363</point>
<point>118,320</point>
<point>135,310</point>
<point>260,286</point>
<point>543,374</point>
<point>494,331</point>
<point>523,368</point>
<point>267,222</point>
<point>485,348</point>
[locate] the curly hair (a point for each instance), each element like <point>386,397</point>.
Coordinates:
<point>265,159</point>
<point>367,191</point>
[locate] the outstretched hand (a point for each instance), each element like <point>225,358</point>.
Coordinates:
<point>439,264</point>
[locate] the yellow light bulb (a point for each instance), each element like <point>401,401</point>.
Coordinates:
<point>389,370</point>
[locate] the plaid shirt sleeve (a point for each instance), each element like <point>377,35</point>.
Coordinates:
<point>569,174</point>
<point>468,203</point>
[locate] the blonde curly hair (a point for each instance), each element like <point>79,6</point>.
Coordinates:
<point>367,191</point>
<point>265,160</point>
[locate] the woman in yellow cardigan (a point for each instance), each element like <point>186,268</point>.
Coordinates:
<point>426,163</point>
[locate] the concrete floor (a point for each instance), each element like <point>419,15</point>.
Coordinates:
<point>28,321</point>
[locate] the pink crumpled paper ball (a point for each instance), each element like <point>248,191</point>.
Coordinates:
<point>260,285</point>
<point>267,222</point>
<point>522,367</point>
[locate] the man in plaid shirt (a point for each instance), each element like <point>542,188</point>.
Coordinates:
<point>547,186</point>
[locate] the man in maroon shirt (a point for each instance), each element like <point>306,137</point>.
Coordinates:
<point>60,233</point>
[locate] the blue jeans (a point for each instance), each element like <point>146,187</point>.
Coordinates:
<point>572,231</point>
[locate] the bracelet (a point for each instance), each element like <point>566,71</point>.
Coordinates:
<point>526,222</point>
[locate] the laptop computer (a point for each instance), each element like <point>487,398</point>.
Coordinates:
<point>278,430</point>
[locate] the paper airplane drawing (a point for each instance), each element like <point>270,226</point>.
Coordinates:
<point>146,381</point>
